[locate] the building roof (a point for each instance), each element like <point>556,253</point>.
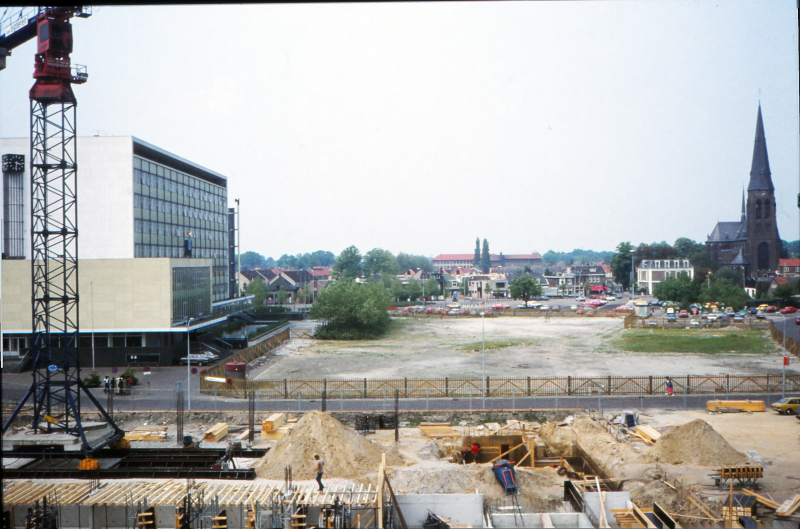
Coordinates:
<point>725,231</point>
<point>780,280</point>
<point>492,257</point>
<point>740,259</point>
<point>159,155</point>
<point>454,257</point>
<point>789,262</point>
<point>521,256</point>
<point>760,176</point>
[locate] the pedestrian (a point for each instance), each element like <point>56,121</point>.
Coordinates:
<point>318,466</point>
<point>113,385</point>
<point>29,519</point>
<point>105,384</point>
<point>670,391</point>
<point>121,385</point>
<point>130,385</point>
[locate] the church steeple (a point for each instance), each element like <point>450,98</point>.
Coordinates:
<point>760,176</point>
<point>744,211</point>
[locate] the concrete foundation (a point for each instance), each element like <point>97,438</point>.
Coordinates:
<point>461,509</point>
<point>578,519</point>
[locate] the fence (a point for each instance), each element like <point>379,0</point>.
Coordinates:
<point>506,387</point>
<point>791,345</point>
<point>517,313</point>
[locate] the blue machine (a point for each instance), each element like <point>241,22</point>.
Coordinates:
<point>504,472</point>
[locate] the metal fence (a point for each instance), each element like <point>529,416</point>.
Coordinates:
<point>506,386</point>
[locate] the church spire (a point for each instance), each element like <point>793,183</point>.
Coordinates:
<point>760,176</point>
<point>744,211</point>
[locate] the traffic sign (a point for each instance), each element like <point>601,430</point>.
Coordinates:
<point>114,370</point>
<point>52,368</point>
<point>786,360</point>
<point>194,370</point>
<point>146,369</point>
<point>229,381</point>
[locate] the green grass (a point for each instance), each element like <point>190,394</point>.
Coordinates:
<point>682,341</point>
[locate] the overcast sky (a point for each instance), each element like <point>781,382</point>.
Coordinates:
<point>418,127</point>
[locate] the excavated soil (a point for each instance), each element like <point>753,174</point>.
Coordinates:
<point>346,453</point>
<point>696,443</point>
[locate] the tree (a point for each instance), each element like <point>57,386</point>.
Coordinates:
<point>762,288</point>
<point>546,272</point>
<point>465,287</point>
<point>621,264</point>
<point>257,288</point>
<point>524,287</point>
<point>379,261</point>
<point>387,280</point>
<point>413,262</point>
<point>486,260</point>
<point>348,264</point>
<point>252,260</point>
<point>685,247</point>
<point>432,288</point>
<point>398,290</point>
<point>784,292</point>
<point>413,289</point>
<point>680,289</point>
<point>528,270</point>
<point>305,293</point>
<point>725,292</point>
<point>700,260</point>
<point>734,276</point>
<point>476,260</point>
<point>352,311</point>
<point>282,296</point>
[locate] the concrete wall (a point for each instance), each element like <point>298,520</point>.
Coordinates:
<point>613,500</point>
<point>461,509</point>
<point>130,295</point>
<point>579,519</point>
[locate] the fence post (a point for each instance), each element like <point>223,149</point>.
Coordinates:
<point>285,389</point>
<point>487,387</point>
<point>688,382</point>
<point>727,386</point>
<point>513,398</point>
<point>529,386</point>
<point>365,388</point>
<point>608,388</point>
<point>446,389</point>
<point>569,385</point>
<point>650,386</point>
<point>298,399</point>
<point>325,385</point>
<point>405,385</point>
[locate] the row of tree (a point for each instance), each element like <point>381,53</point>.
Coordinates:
<point>349,264</point>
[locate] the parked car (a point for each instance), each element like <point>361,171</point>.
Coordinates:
<point>763,306</point>
<point>797,320</point>
<point>738,319</point>
<point>760,315</point>
<point>611,298</point>
<point>694,323</point>
<point>211,356</point>
<point>683,314</point>
<point>671,318</point>
<point>499,307</point>
<point>581,298</point>
<point>544,307</point>
<point>575,307</point>
<point>522,306</point>
<point>786,406</point>
<point>752,310</point>
<point>789,310</point>
<point>197,359</point>
<point>771,308</point>
<point>712,317</point>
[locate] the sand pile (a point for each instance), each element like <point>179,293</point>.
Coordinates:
<point>540,489</point>
<point>696,443</point>
<point>346,453</point>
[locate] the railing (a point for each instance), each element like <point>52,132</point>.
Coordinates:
<point>509,387</point>
<point>248,355</point>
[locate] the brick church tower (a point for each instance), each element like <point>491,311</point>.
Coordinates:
<point>763,242</point>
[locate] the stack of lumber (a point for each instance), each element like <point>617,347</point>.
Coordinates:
<point>762,500</point>
<point>147,433</point>
<point>439,430</point>
<point>625,518</point>
<point>275,427</point>
<point>788,507</point>
<point>648,434</point>
<point>742,405</point>
<point>216,432</point>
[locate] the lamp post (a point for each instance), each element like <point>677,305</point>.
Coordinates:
<point>633,272</point>
<point>483,340</point>
<point>238,249</point>
<point>188,364</point>
<point>91,285</point>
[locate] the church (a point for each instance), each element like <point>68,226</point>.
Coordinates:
<point>752,243</point>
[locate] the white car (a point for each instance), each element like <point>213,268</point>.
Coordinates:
<point>544,307</point>
<point>211,356</point>
<point>581,298</point>
<point>695,323</point>
<point>611,298</point>
<point>195,359</point>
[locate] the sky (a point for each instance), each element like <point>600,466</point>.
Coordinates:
<point>417,127</point>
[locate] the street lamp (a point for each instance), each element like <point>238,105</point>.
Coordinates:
<point>633,268</point>
<point>783,360</point>
<point>189,363</point>
<point>483,339</point>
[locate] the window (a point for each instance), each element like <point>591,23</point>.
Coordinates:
<point>758,209</point>
<point>13,214</point>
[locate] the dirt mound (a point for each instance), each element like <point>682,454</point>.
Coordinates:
<point>696,443</point>
<point>540,489</point>
<point>346,453</point>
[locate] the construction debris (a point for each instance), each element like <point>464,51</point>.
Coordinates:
<point>439,430</point>
<point>216,432</point>
<point>273,422</point>
<point>788,507</point>
<point>647,433</point>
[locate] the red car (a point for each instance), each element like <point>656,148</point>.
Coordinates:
<point>771,308</point>
<point>788,310</point>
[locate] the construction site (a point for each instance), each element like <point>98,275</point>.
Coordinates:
<point>523,468</point>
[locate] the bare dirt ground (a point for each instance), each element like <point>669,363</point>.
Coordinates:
<point>427,347</point>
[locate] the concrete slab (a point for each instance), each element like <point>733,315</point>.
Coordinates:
<point>16,462</point>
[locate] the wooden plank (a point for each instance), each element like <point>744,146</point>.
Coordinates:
<point>273,422</point>
<point>789,506</point>
<point>703,510</point>
<point>394,501</point>
<point>381,477</point>
<point>745,405</point>
<point>648,433</point>
<point>506,452</point>
<point>216,432</point>
<point>765,501</point>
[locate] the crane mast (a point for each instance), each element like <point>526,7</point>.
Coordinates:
<point>56,389</point>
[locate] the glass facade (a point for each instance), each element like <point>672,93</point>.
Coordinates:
<point>169,206</point>
<point>190,288</point>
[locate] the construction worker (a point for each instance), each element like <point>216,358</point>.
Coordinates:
<point>318,467</point>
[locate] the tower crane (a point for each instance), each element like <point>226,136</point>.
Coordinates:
<point>56,389</point>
